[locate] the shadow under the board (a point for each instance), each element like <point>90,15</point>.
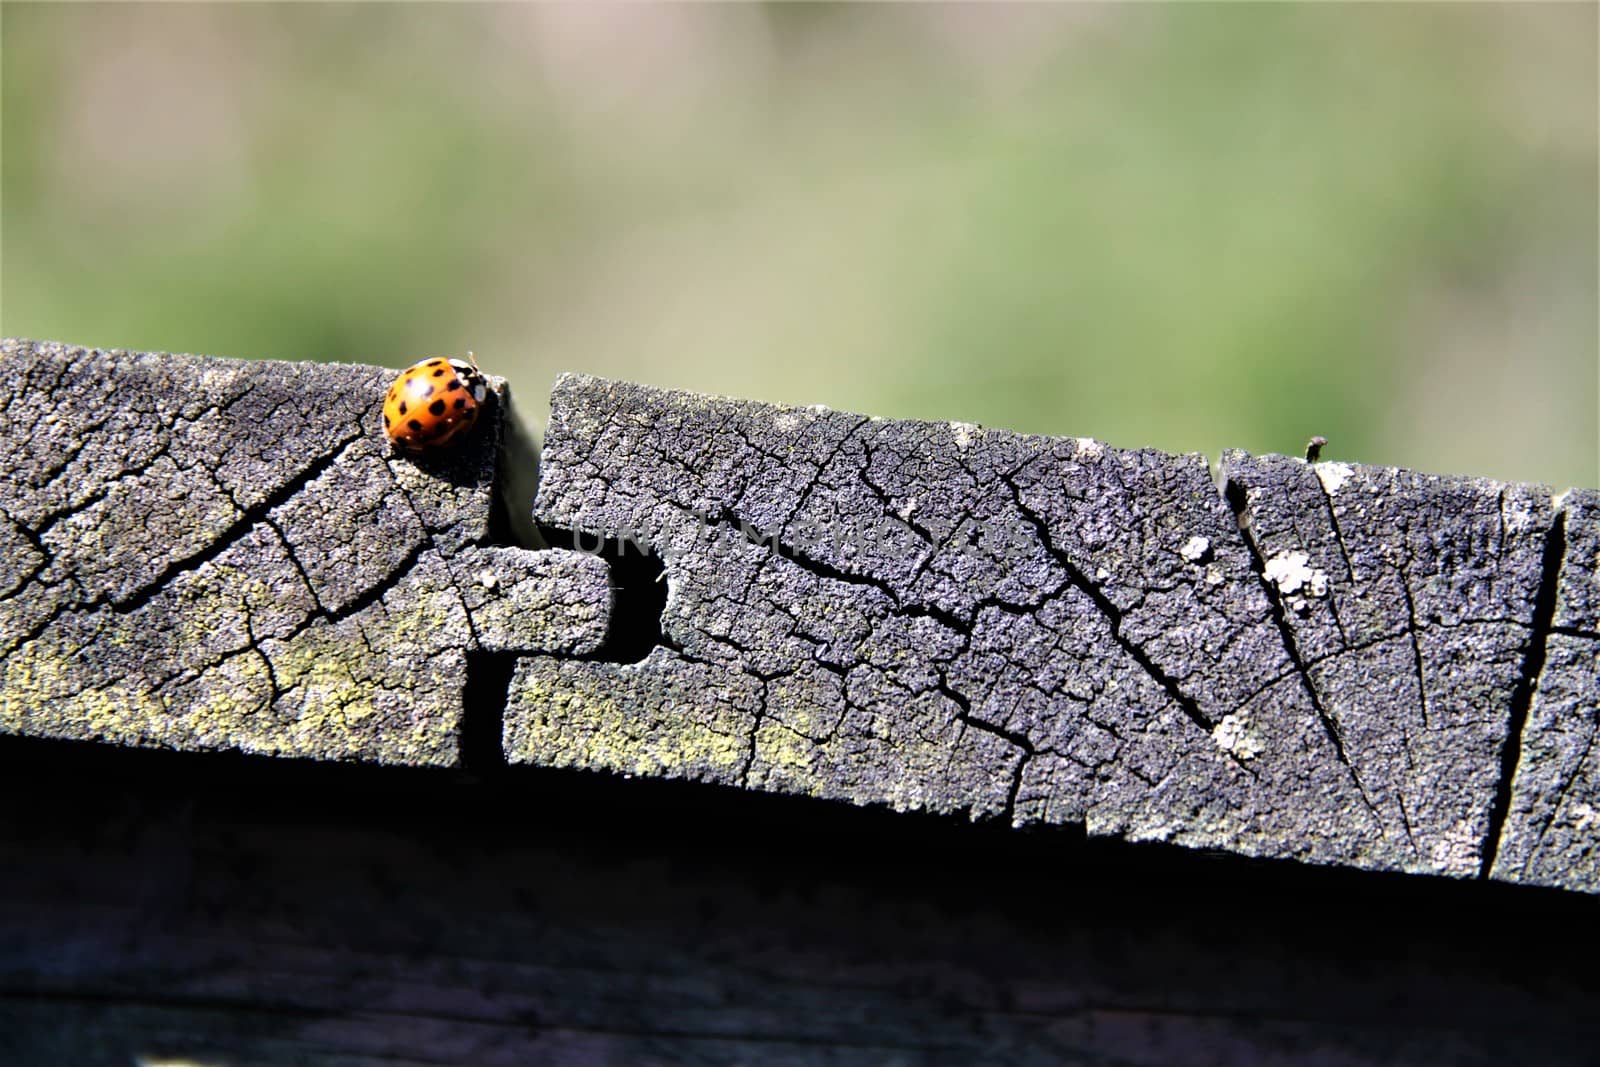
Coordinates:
<point>256,910</point>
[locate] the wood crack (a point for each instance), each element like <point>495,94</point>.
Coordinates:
<point>1555,548</point>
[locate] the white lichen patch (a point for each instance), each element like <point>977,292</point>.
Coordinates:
<point>963,432</point>
<point>906,510</point>
<point>1214,575</point>
<point>489,580</point>
<point>1234,735</point>
<point>1292,572</point>
<point>787,421</point>
<point>1089,448</point>
<point>1196,549</point>
<point>1333,476</point>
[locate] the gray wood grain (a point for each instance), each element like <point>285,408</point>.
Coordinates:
<point>1337,668</point>
<point>935,624</point>
<point>1552,833</point>
<point>204,553</point>
<point>1345,665</point>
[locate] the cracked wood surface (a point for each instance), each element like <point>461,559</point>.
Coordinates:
<point>203,553</point>
<point>1380,670</point>
<point>1349,665</point>
<point>1340,664</point>
<point>1552,827</point>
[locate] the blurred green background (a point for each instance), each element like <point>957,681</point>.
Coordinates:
<point>1183,226</point>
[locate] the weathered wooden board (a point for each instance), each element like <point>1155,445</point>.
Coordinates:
<point>1345,665</point>
<point>1335,668</point>
<point>1353,666</point>
<point>203,553</point>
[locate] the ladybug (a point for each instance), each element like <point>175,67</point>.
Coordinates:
<point>432,403</point>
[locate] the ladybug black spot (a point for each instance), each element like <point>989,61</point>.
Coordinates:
<point>461,402</point>
<point>402,407</point>
<point>386,422</point>
<point>455,383</point>
<point>416,427</point>
<point>436,408</point>
<point>438,372</point>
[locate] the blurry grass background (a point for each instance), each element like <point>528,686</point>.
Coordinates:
<point>1182,226</point>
